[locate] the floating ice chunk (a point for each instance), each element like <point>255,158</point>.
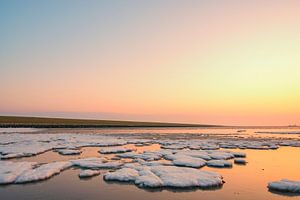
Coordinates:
<point>147,155</point>
<point>114,150</point>
<point>285,185</point>
<point>124,174</point>
<point>88,173</point>
<point>219,163</point>
<point>96,163</point>
<point>197,154</point>
<point>239,154</point>
<point>219,155</point>
<point>42,172</point>
<point>147,178</point>
<point>188,161</point>
<point>128,155</point>
<point>156,163</point>
<point>166,176</point>
<point>186,177</point>
<point>240,161</point>
<point>69,151</point>
<point>9,171</point>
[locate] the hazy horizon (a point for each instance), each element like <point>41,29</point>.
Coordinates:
<point>209,62</point>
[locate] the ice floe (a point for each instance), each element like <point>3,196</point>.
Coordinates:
<point>42,172</point>
<point>108,150</point>
<point>69,151</point>
<point>96,163</point>
<point>285,185</point>
<point>88,173</point>
<point>166,176</point>
<point>219,163</point>
<point>187,161</point>
<point>240,161</point>
<point>9,171</point>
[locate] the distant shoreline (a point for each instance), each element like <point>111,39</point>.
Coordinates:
<point>43,122</point>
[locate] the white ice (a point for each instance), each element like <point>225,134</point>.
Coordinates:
<point>240,161</point>
<point>88,173</point>
<point>285,185</point>
<point>96,163</point>
<point>219,163</point>
<point>108,150</point>
<point>9,171</point>
<point>69,151</point>
<point>42,172</point>
<point>166,176</point>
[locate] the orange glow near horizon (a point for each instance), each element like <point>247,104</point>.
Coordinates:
<point>234,63</point>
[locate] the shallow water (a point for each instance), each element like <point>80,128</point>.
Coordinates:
<point>244,182</point>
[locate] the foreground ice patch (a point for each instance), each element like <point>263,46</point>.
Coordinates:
<point>9,171</point>
<point>165,176</point>
<point>42,172</point>
<point>285,185</point>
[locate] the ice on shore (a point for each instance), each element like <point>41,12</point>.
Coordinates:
<point>88,173</point>
<point>42,172</point>
<point>96,163</point>
<point>285,185</point>
<point>9,171</point>
<point>109,150</point>
<point>166,176</point>
<point>219,163</point>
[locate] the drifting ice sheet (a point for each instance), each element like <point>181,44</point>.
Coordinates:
<point>166,176</point>
<point>42,172</point>
<point>285,185</point>
<point>88,173</point>
<point>9,171</point>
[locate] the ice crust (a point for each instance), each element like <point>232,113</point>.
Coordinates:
<point>42,172</point>
<point>219,163</point>
<point>88,173</point>
<point>285,185</point>
<point>166,176</point>
<point>96,163</point>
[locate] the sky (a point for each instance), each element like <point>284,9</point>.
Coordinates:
<point>225,62</point>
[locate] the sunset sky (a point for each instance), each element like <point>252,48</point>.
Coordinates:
<point>226,62</point>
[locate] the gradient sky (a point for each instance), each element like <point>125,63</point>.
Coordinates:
<point>215,62</point>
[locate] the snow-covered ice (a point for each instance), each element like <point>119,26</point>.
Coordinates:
<point>9,171</point>
<point>285,185</point>
<point>219,163</point>
<point>108,150</point>
<point>42,172</point>
<point>69,151</point>
<point>166,176</point>
<point>88,173</point>
<point>96,163</point>
<point>240,161</point>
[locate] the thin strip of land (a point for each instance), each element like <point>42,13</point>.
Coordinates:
<point>43,122</point>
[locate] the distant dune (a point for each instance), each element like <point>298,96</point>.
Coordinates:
<point>41,122</point>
